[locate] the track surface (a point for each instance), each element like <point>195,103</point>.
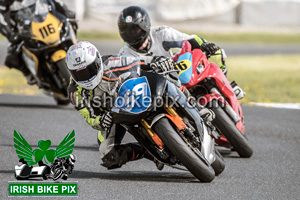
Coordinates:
<point>272,172</point>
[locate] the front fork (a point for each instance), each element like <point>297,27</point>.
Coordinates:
<point>177,121</point>
<point>206,146</point>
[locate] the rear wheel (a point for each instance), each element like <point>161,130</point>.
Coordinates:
<point>200,169</point>
<point>227,127</point>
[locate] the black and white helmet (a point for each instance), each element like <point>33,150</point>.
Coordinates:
<point>85,64</point>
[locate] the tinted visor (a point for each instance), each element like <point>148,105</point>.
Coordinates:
<point>85,73</point>
<point>132,34</point>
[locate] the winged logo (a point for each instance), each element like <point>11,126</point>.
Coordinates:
<point>24,150</point>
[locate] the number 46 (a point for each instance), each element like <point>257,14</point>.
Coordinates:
<point>46,30</point>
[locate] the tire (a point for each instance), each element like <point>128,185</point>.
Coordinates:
<point>45,177</point>
<point>227,127</point>
<point>183,152</point>
<point>61,102</point>
<point>64,75</point>
<point>65,177</point>
<point>218,164</point>
<point>64,72</point>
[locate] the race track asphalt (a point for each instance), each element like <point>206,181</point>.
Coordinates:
<point>271,173</point>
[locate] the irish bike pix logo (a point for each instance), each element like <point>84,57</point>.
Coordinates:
<point>43,163</point>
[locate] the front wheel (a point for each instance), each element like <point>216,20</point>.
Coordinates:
<point>61,101</point>
<point>64,75</point>
<point>201,170</point>
<point>227,127</point>
<point>219,163</point>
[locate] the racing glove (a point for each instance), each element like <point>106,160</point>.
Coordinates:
<point>106,121</point>
<point>209,48</point>
<point>162,64</point>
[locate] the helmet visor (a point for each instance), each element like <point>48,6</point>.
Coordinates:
<point>86,73</point>
<point>133,34</point>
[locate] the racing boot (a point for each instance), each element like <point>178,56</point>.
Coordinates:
<point>239,92</point>
<point>121,154</point>
<point>14,60</point>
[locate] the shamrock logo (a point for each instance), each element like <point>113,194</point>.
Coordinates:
<point>24,150</point>
<point>39,154</point>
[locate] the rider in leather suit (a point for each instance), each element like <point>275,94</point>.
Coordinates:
<point>143,40</point>
<point>93,93</point>
<point>8,23</point>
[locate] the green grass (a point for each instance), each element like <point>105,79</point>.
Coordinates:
<point>253,38</point>
<point>12,81</point>
<point>264,78</point>
<point>267,78</point>
<point>98,36</point>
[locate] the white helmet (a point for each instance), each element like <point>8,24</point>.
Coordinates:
<point>85,64</point>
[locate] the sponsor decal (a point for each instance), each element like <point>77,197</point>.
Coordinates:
<point>74,65</point>
<point>91,51</point>
<point>128,19</point>
<point>77,59</point>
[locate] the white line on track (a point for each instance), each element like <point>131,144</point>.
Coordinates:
<point>278,105</point>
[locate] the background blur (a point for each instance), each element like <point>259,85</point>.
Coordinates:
<point>261,39</point>
<point>209,15</point>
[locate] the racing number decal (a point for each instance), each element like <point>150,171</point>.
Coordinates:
<point>46,30</point>
<point>183,66</point>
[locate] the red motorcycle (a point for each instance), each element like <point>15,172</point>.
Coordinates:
<point>207,83</point>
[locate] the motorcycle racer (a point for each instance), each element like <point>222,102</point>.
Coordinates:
<point>92,92</point>
<point>143,40</point>
<point>8,28</point>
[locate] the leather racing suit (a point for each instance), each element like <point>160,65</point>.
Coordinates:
<point>92,104</point>
<point>164,38</point>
